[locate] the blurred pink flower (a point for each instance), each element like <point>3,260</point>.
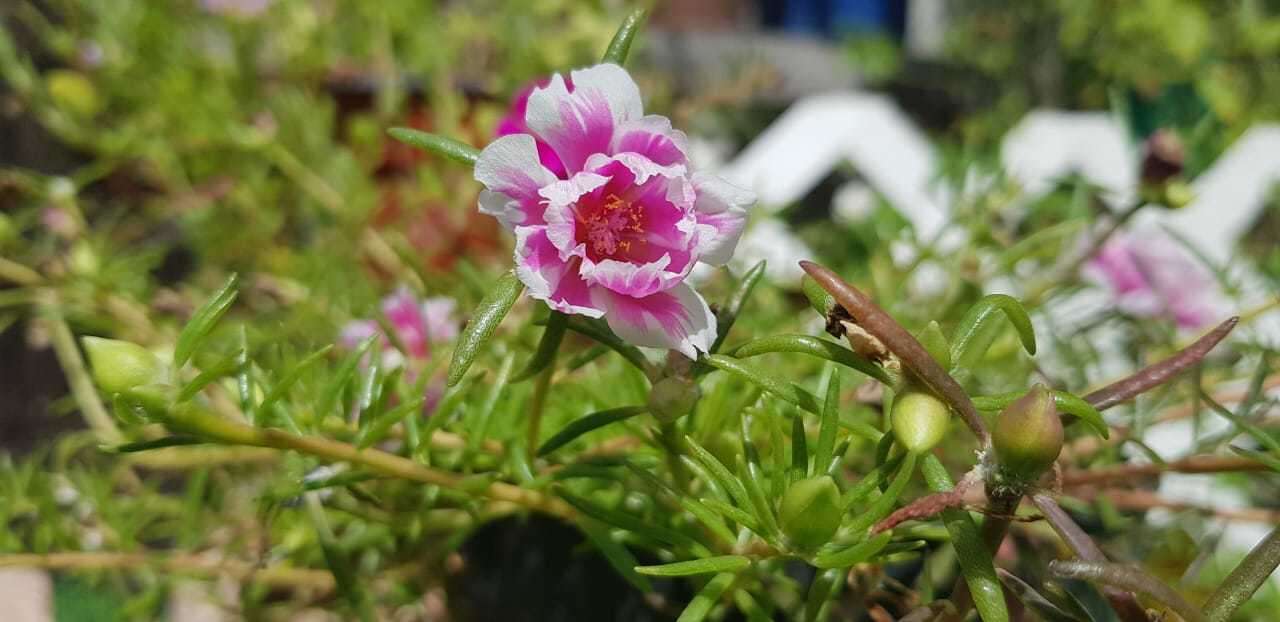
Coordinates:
<point>236,8</point>
<point>514,123</point>
<point>418,325</point>
<point>618,233</point>
<point>1151,275</point>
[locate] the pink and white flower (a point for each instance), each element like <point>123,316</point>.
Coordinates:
<point>418,326</point>
<point>514,123</point>
<point>1150,275</point>
<point>618,233</point>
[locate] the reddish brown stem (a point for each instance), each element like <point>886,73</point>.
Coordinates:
<point>1153,376</point>
<point>900,342</point>
<point>1194,464</point>
<point>1125,604</point>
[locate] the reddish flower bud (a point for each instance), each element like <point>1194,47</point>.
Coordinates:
<point>1027,437</point>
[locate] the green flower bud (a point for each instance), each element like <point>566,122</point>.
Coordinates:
<point>1028,436</point>
<point>82,259</point>
<point>119,366</point>
<point>1177,194</point>
<point>810,512</point>
<point>73,92</point>
<point>673,397</point>
<point>919,420</point>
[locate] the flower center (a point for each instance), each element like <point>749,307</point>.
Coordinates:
<point>613,226</point>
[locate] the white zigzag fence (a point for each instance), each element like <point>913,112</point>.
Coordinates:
<point>822,132</point>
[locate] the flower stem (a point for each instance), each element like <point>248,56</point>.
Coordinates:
<point>537,405</point>
<point>274,576</point>
<point>377,461</point>
<point>1124,603</point>
<point>82,389</point>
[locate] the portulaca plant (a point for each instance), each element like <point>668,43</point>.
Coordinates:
<point>759,495</point>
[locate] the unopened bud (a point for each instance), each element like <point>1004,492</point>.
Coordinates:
<point>810,512</point>
<point>119,366</point>
<point>1177,194</point>
<point>1162,167</point>
<point>919,420</point>
<point>673,397</point>
<point>1028,436</point>
<point>1163,158</point>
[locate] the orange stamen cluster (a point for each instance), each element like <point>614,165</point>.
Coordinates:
<point>612,226</point>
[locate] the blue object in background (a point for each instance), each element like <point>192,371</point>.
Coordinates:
<point>830,18</point>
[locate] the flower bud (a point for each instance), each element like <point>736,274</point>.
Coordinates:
<point>1163,158</point>
<point>919,420</point>
<point>1162,167</point>
<point>1027,436</point>
<point>673,397</point>
<point>73,92</point>
<point>119,366</point>
<point>810,512</point>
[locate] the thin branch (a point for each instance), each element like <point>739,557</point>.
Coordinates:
<point>1193,464</point>
<point>275,576</point>
<point>1142,500</point>
<point>929,505</point>
<point>1124,603</point>
<point>1129,578</point>
<point>233,432</point>
<point>82,388</point>
<point>1086,445</point>
<point>1155,375</point>
<point>902,344</point>
<point>1240,585</point>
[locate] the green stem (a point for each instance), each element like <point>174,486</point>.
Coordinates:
<point>537,405</point>
<point>377,461</point>
<point>82,388</point>
<point>671,442</point>
<point>1240,585</point>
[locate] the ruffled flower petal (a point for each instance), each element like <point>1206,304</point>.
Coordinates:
<point>721,213</point>
<point>550,278</point>
<point>676,319</point>
<point>652,137</point>
<point>512,174</point>
<point>580,123</point>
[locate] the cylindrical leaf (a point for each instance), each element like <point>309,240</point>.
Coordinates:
<point>484,320</point>
<point>786,390</point>
<point>591,422</point>
<point>728,313</point>
<point>813,346</point>
<point>461,153</point>
<point>552,335</point>
<point>855,554</point>
<point>620,46</point>
<point>723,563</point>
<point>963,353</point>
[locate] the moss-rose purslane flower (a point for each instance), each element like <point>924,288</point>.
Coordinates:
<point>1150,275</point>
<point>418,326</point>
<point>617,234</point>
